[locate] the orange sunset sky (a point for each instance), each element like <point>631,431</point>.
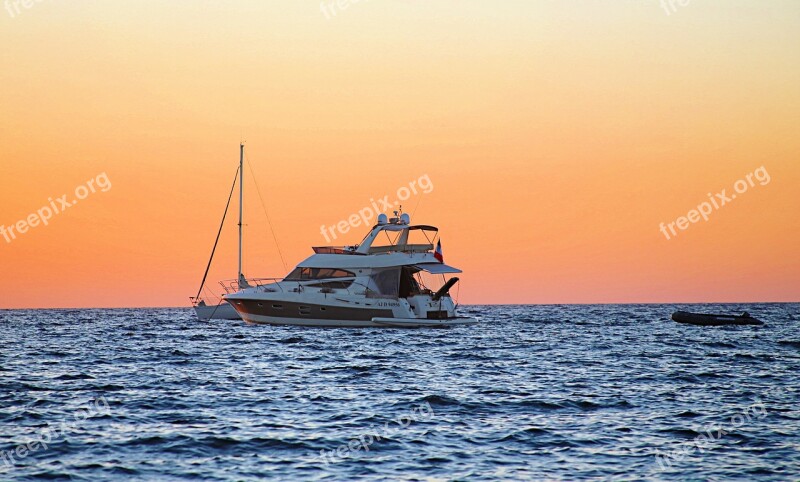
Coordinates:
<point>558,135</point>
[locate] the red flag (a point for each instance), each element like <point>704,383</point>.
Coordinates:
<point>438,253</point>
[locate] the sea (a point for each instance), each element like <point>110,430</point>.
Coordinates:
<point>534,392</point>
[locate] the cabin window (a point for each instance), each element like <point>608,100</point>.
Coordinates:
<point>386,282</point>
<point>335,285</point>
<point>299,274</point>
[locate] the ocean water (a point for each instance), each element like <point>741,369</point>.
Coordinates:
<point>568,392</point>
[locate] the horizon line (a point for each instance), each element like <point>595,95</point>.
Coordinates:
<point>471,304</point>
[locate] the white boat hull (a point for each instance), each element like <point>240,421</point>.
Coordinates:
<point>213,312</point>
<point>340,311</point>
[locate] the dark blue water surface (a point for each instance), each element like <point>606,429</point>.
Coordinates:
<point>534,392</point>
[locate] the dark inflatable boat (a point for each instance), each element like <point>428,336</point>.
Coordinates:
<point>715,320</point>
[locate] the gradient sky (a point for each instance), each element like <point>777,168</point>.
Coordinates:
<point>558,136</point>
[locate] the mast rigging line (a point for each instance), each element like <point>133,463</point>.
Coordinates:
<point>264,207</point>
<point>214,249</point>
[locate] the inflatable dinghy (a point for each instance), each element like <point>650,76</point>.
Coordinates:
<point>714,320</point>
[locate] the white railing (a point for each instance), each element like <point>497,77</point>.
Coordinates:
<point>232,285</point>
<point>277,284</point>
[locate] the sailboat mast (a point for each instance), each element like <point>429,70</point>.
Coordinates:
<point>241,199</point>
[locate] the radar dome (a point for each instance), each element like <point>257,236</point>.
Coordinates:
<point>382,219</point>
<point>405,218</point>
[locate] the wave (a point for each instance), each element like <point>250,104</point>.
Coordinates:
<point>79,376</point>
<point>438,401</point>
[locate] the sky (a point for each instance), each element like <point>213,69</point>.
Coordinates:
<point>563,143</point>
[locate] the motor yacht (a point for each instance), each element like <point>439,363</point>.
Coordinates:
<point>380,282</point>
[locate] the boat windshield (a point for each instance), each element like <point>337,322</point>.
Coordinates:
<point>410,239</point>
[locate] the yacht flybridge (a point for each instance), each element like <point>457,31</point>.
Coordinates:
<point>378,283</point>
